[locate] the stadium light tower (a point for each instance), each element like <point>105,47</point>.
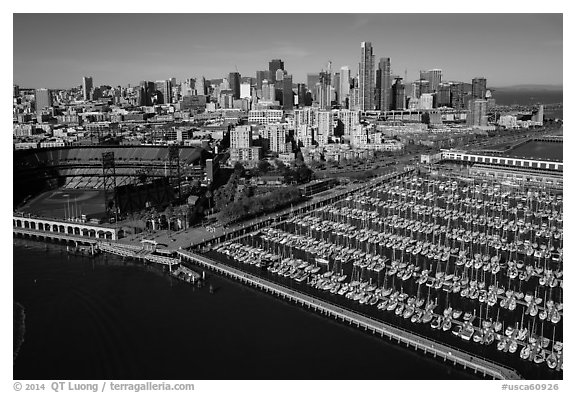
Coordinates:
<point>109,181</point>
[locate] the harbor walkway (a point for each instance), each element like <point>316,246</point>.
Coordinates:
<point>428,346</point>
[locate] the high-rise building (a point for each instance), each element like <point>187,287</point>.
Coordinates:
<point>443,95</point>
<point>187,87</point>
<point>148,90</point>
<point>349,119</point>
<point>420,87</point>
<point>201,88</point>
<point>277,137</point>
<point>241,137</point>
<point>398,92</point>
<point>15,90</point>
<point>273,66</point>
<point>325,124</point>
<point>234,81</point>
<point>245,90</point>
<point>301,95</point>
<point>268,91</point>
<point>457,95</point>
<point>164,91</point>
<point>287,93</point>
<point>366,77</point>
<point>260,76</point>
<point>477,113</point>
<point>434,77</point>
<point>43,99</point>
<point>87,85</point>
<point>344,90</point>
<point>479,88</point>
<point>323,91</point>
<point>383,85</point>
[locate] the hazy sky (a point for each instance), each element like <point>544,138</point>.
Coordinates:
<point>56,50</point>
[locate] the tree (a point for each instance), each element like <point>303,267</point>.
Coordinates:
<point>264,166</point>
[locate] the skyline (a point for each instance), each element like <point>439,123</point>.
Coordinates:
<point>507,49</point>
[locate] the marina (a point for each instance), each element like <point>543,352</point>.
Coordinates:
<point>477,265</point>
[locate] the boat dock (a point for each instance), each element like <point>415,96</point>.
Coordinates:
<point>449,354</point>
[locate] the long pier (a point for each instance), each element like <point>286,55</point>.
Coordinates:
<point>428,346</point>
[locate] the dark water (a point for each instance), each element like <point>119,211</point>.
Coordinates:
<point>527,97</point>
<point>539,150</point>
<point>103,319</point>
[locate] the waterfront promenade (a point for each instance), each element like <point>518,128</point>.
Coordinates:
<point>449,354</point>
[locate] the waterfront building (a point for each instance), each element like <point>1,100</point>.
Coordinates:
<point>87,85</point>
<point>366,77</point>
<point>383,85</point>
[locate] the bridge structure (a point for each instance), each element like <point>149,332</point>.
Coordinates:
<point>438,350</point>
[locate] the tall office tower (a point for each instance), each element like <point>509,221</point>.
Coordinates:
<point>95,94</point>
<point>323,92</point>
<point>434,78</point>
<point>277,138</point>
<point>349,119</point>
<point>260,76</point>
<point>312,80</point>
<point>273,66</point>
<point>383,85</point>
<point>43,99</point>
<point>301,95</point>
<point>164,87</point>
<point>234,81</point>
<point>87,85</point>
<point>280,75</point>
<point>420,87</point>
<point>344,89</point>
<point>187,87</point>
<point>149,90</point>
<point>477,115</point>
<point>354,102</point>
<point>15,90</point>
<point>287,93</point>
<point>443,95</point>
<point>325,123</point>
<point>336,87</point>
<point>268,91</point>
<point>201,88</point>
<point>241,137</point>
<point>245,91</point>
<point>479,88</point>
<point>366,77</point>
<point>457,95</point>
<point>399,102</point>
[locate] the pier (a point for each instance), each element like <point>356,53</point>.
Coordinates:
<point>428,346</point>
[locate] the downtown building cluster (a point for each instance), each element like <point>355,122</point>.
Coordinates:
<point>335,114</point>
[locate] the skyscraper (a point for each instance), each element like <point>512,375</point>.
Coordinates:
<point>87,85</point>
<point>164,88</point>
<point>273,66</point>
<point>43,99</point>
<point>443,95</point>
<point>234,80</point>
<point>344,85</point>
<point>477,115</point>
<point>399,102</point>
<point>457,95</point>
<point>323,92</point>
<point>201,86</point>
<point>366,77</point>
<point>383,85</point>
<point>287,93</point>
<point>260,76</point>
<point>479,88</point>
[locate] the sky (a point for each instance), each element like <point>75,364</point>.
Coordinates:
<point>56,50</point>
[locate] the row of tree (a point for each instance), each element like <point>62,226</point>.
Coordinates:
<point>247,207</point>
